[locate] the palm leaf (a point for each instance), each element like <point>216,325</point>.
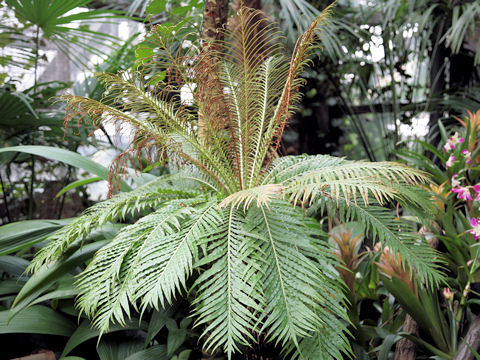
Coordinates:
<point>298,289</point>
<point>118,207</point>
<point>399,236</point>
<point>229,297</point>
<point>109,284</point>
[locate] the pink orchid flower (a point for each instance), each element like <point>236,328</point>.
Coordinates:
<point>455,182</point>
<point>449,145</point>
<point>450,161</point>
<point>468,156</point>
<point>477,192</point>
<point>462,193</point>
<point>475,224</point>
<point>452,142</point>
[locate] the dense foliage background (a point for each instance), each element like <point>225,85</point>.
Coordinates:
<point>393,80</point>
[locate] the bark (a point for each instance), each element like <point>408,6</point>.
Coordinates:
<point>406,349</point>
<point>214,18</point>
<point>215,15</point>
<point>472,339</point>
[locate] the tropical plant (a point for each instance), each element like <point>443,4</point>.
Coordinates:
<point>233,229</point>
<point>47,297</point>
<point>53,20</point>
<point>456,228</point>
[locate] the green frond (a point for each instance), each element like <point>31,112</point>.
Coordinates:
<point>168,48</point>
<point>285,168</point>
<point>109,283</point>
<point>398,235</point>
<point>268,85</point>
<point>166,265</point>
<point>150,195</point>
<point>325,344</point>
<point>299,288</point>
<point>352,179</point>
<point>228,298</point>
<point>155,121</point>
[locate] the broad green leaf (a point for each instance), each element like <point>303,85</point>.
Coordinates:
<point>78,183</point>
<point>85,332</point>
<point>176,336</point>
<point>13,265</point>
<point>23,234</point>
<point>67,157</point>
<point>184,355</point>
<point>10,286</point>
<point>156,6</point>
<point>109,350</point>
<point>36,320</point>
<point>42,280</point>
<point>157,322</point>
<point>154,353</point>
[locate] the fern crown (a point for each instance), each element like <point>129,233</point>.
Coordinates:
<point>223,230</point>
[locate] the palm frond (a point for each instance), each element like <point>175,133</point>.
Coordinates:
<point>148,261</point>
<point>262,195</point>
<point>298,289</point>
<point>118,207</point>
<point>229,297</point>
<point>156,122</point>
<point>290,94</point>
<point>349,179</point>
<point>284,168</point>
<point>325,344</point>
<point>109,283</point>
<point>398,235</point>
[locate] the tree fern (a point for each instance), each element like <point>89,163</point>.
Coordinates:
<point>232,229</point>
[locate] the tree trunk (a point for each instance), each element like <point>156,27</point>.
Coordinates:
<point>472,339</point>
<point>214,18</point>
<point>215,15</point>
<point>406,349</point>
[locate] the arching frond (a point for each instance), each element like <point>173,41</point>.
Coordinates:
<point>285,168</point>
<point>350,179</point>
<point>109,283</point>
<point>166,265</point>
<point>118,207</point>
<point>299,293</point>
<point>229,297</point>
<point>398,235</point>
<point>261,195</point>
<point>325,344</point>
